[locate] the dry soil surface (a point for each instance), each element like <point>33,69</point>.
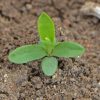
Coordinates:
<point>75,79</point>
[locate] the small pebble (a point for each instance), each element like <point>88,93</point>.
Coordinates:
<point>28,6</point>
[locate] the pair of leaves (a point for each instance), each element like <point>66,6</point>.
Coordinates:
<point>64,49</point>
<point>46,31</point>
<point>28,53</point>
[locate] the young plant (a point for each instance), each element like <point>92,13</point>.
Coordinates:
<point>47,48</point>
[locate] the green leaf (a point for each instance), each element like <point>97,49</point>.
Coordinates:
<point>68,49</point>
<point>49,65</point>
<point>46,28</point>
<point>26,53</point>
<point>48,46</point>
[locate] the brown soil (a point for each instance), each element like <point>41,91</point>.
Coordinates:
<point>76,79</point>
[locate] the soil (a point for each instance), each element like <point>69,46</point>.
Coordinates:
<point>75,79</point>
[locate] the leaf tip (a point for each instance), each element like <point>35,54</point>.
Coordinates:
<point>43,13</point>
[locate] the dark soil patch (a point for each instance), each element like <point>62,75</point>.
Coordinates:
<point>76,79</point>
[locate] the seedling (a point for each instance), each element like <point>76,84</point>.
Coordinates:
<point>47,48</point>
